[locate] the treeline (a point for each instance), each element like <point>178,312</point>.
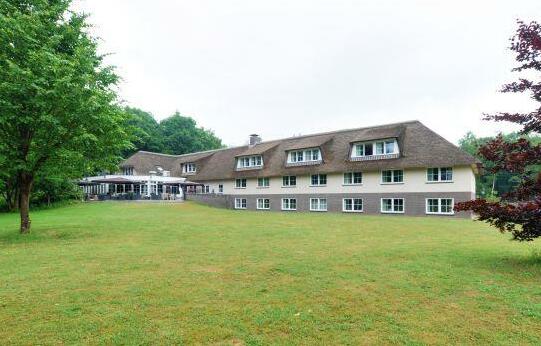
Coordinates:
<point>176,134</point>
<point>492,185</point>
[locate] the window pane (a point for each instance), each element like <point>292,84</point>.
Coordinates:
<point>387,176</point>
<point>293,203</point>
<point>432,205</point>
<point>348,204</point>
<point>323,204</point>
<point>359,150</point>
<point>432,174</point>
<point>368,149</point>
<point>357,178</point>
<point>398,176</point>
<point>315,155</point>
<point>323,179</point>
<point>315,179</point>
<point>313,204</point>
<point>379,148</point>
<point>358,204</point>
<point>347,178</point>
<point>389,147</point>
<point>293,180</point>
<point>398,205</point>
<point>387,204</point>
<point>446,174</point>
<point>446,205</point>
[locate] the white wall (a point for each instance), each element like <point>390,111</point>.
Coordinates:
<point>414,181</point>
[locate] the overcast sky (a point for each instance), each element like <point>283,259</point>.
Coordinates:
<point>281,68</point>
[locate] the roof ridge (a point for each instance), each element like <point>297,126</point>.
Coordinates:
<point>286,138</point>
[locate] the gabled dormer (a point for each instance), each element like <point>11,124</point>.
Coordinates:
<point>380,149</point>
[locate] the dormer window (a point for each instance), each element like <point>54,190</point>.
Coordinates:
<point>381,149</point>
<point>250,161</point>
<point>305,155</point>
<point>189,168</point>
<point>128,170</point>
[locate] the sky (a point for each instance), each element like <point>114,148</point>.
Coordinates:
<point>282,68</point>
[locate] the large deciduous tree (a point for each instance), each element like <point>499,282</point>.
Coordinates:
<point>519,211</point>
<point>57,102</point>
<point>180,135</point>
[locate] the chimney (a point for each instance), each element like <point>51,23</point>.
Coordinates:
<point>254,140</point>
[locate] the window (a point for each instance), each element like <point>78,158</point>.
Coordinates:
<point>289,181</point>
<point>384,147</point>
<point>206,189</point>
<point>189,168</point>
<point>352,205</point>
<point>250,161</point>
<point>319,179</point>
<point>307,155</point>
<point>392,205</point>
<point>318,204</point>
<point>289,204</point>
<point>355,178</point>
<point>444,174</point>
<point>263,182</point>
<point>263,203</point>
<point>240,203</point>
<point>392,176</point>
<point>440,206</point>
<point>128,170</point>
<point>221,188</point>
<point>240,183</point>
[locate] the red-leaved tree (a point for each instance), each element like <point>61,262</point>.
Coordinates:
<point>518,212</point>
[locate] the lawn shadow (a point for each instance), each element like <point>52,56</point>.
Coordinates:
<point>43,234</point>
<point>529,264</point>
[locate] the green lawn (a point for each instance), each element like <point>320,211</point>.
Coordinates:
<point>120,273</point>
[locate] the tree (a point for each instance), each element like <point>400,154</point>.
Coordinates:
<point>57,102</point>
<point>492,184</point>
<point>143,130</point>
<point>180,135</point>
<point>519,211</point>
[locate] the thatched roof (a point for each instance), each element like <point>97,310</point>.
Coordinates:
<point>419,147</point>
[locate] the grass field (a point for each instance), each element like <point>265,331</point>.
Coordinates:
<point>116,273</point>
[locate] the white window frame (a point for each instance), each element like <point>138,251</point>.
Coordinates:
<point>392,177</point>
<point>239,186</point>
<point>259,180</point>
<point>307,155</point>
<point>439,212</point>
<point>289,203</point>
<point>319,208</point>
<point>241,203</point>
<point>374,145</point>
<point>353,183</point>
<point>318,180</point>
<point>352,205</point>
<point>189,168</point>
<point>262,200</point>
<point>439,175</point>
<point>254,161</point>
<point>393,199</point>
<point>220,188</point>
<point>128,170</point>
<point>288,177</point>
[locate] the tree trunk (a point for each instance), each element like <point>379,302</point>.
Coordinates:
<point>25,185</point>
